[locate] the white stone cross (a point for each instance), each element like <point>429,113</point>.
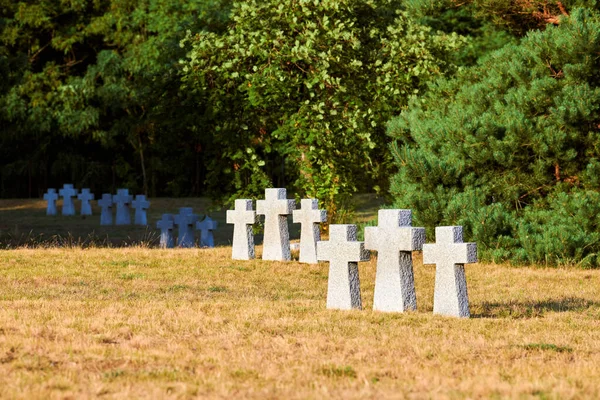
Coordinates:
<point>309,216</point>
<point>449,254</point>
<point>242,217</point>
<point>140,204</point>
<point>51,196</point>
<point>343,253</point>
<point>206,227</point>
<point>67,192</point>
<point>185,221</point>
<point>275,208</point>
<point>394,240</point>
<point>85,196</point>
<point>106,203</point>
<point>165,224</point>
<point>123,200</point>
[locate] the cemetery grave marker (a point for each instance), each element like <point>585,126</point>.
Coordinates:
<point>206,227</point>
<point>106,203</point>
<point>140,204</point>
<point>85,196</point>
<point>123,200</point>
<point>67,193</point>
<point>242,217</point>
<point>185,222</point>
<point>343,252</point>
<point>309,216</point>
<point>275,208</point>
<point>51,196</point>
<point>449,254</point>
<point>394,240</point>
<point>166,225</point>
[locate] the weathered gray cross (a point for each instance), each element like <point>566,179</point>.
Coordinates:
<point>309,216</point>
<point>394,240</point>
<point>85,196</point>
<point>123,200</point>
<point>140,204</point>
<point>449,254</point>
<point>206,226</point>
<point>343,253</point>
<point>185,221</point>
<point>242,217</point>
<point>67,192</point>
<point>106,203</point>
<point>165,224</point>
<point>51,196</point>
<point>276,208</point>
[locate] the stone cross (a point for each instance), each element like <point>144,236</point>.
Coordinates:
<point>206,226</point>
<point>309,216</point>
<point>275,208</point>
<point>123,200</point>
<point>165,224</point>
<point>85,196</point>
<point>394,240</point>
<point>449,254</point>
<point>343,253</point>
<point>106,203</point>
<point>242,218</point>
<point>140,204</point>
<point>51,196</point>
<point>67,192</point>
<point>185,222</point>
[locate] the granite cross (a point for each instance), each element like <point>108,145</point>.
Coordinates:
<point>85,196</point>
<point>206,226</point>
<point>67,192</point>
<point>343,253</point>
<point>242,217</point>
<point>275,208</point>
<point>165,224</point>
<point>123,200</point>
<point>309,216</point>
<point>140,204</point>
<point>185,222</point>
<point>394,240</point>
<point>51,196</point>
<point>449,253</point>
<point>106,203</point>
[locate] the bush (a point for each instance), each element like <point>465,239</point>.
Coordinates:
<point>510,148</point>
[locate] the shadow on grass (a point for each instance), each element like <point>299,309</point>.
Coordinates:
<point>531,309</point>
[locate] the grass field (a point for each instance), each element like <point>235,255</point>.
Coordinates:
<point>140,322</point>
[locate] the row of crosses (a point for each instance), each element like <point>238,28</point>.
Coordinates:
<point>68,206</point>
<point>186,220</point>
<point>394,239</point>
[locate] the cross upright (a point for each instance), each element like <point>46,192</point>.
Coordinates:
<point>85,196</point>
<point>276,208</point>
<point>394,240</point>
<point>206,227</point>
<point>67,192</point>
<point>242,217</point>
<point>449,254</point>
<point>123,200</point>
<point>309,216</point>
<point>343,253</point>
<point>106,203</point>
<point>140,204</point>
<point>51,196</point>
<point>165,224</point>
<point>185,221</point>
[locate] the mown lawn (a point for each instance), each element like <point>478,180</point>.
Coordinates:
<point>139,322</point>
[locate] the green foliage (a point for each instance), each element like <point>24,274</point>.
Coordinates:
<point>297,92</point>
<point>510,148</point>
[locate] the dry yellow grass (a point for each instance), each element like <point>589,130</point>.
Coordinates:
<point>147,323</point>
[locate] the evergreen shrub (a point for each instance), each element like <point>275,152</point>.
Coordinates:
<point>510,148</point>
